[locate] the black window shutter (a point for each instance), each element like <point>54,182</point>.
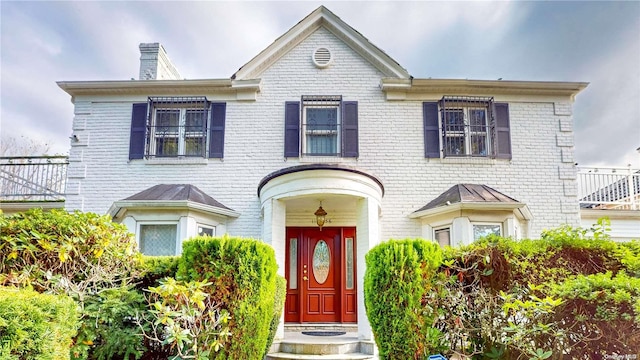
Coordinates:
<point>431,132</point>
<point>292,129</point>
<point>350,129</point>
<point>138,131</point>
<point>503,133</point>
<point>216,131</point>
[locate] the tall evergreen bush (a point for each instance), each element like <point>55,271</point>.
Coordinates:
<point>396,280</point>
<point>242,273</point>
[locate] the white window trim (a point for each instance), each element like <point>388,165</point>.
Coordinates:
<point>440,228</point>
<point>181,134</point>
<point>474,223</point>
<point>466,132</point>
<point>305,131</point>
<point>205,226</point>
<point>139,225</point>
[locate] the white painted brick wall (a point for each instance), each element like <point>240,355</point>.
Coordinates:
<point>391,148</point>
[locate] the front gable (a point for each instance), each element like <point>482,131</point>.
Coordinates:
<point>321,18</point>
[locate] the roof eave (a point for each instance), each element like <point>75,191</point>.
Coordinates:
<point>153,87</point>
<point>399,88</point>
<point>115,211</point>
<point>524,212</point>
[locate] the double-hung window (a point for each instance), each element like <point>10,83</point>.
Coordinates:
<point>466,126</point>
<point>177,127</point>
<point>321,125</point>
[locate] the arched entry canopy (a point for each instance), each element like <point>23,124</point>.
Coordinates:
<point>351,197</point>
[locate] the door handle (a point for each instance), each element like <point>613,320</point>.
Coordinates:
<point>305,278</point>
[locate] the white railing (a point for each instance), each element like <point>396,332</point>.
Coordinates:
<point>609,188</point>
<point>33,178</point>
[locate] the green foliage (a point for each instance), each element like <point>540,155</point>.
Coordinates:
<point>73,253</point>
<point>155,268</point>
<point>109,329</point>
<point>278,307</point>
<point>573,293</point>
<point>398,277</point>
<point>87,257</point>
<point>36,326</point>
<point>242,273</point>
<point>184,317</point>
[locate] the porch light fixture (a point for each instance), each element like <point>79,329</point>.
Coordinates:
<point>321,216</point>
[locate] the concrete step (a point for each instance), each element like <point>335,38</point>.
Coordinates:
<point>351,356</point>
<point>309,347</point>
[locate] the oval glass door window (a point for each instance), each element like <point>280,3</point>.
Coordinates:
<point>321,261</point>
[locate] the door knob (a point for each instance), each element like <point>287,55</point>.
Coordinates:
<point>305,278</point>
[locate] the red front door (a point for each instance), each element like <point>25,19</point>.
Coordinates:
<point>320,271</point>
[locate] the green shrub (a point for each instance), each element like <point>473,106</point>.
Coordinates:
<point>73,253</point>
<point>109,329</point>
<point>155,268</point>
<point>183,317</point>
<point>396,280</point>
<point>36,326</point>
<point>278,307</point>
<point>242,273</point>
<point>605,309</point>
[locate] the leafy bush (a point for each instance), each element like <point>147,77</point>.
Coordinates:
<point>396,281</point>
<point>36,326</point>
<point>85,256</point>
<point>572,294</point>
<point>155,268</point>
<point>242,273</point>
<point>73,253</point>
<point>278,308</point>
<point>184,317</point>
<point>109,328</point>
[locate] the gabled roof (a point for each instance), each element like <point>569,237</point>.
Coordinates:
<point>474,197</point>
<point>321,17</point>
<point>172,196</point>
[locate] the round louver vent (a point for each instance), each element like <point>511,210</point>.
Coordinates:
<point>322,57</point>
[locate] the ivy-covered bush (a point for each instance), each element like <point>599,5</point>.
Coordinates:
<point>396,281</point>
<point>242,273</point>
<point>36,326</point>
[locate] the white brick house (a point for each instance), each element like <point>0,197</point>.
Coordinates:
<point>322,117</point>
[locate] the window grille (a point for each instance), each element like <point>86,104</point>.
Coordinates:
<point>321,125</point>
<point>467,125</point>
<point>177,126</point>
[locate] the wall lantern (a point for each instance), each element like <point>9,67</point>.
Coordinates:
<point>321,216</point>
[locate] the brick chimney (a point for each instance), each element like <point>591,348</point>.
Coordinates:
<point>155,64</point>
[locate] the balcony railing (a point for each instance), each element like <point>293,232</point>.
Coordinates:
<point>609,188</point>
<point>33,178</point>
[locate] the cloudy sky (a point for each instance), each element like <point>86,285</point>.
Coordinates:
<point>595,42</point>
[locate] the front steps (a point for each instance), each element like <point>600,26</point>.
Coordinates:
<point>296,345</point>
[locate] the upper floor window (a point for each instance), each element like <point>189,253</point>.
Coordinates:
<point>321,126</point>
<point>177,127</point>
<point>466,126</point>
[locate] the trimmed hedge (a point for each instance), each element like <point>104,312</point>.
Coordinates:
<point>395,282</point>
<point>243,276</point>
<point>36,326</point>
